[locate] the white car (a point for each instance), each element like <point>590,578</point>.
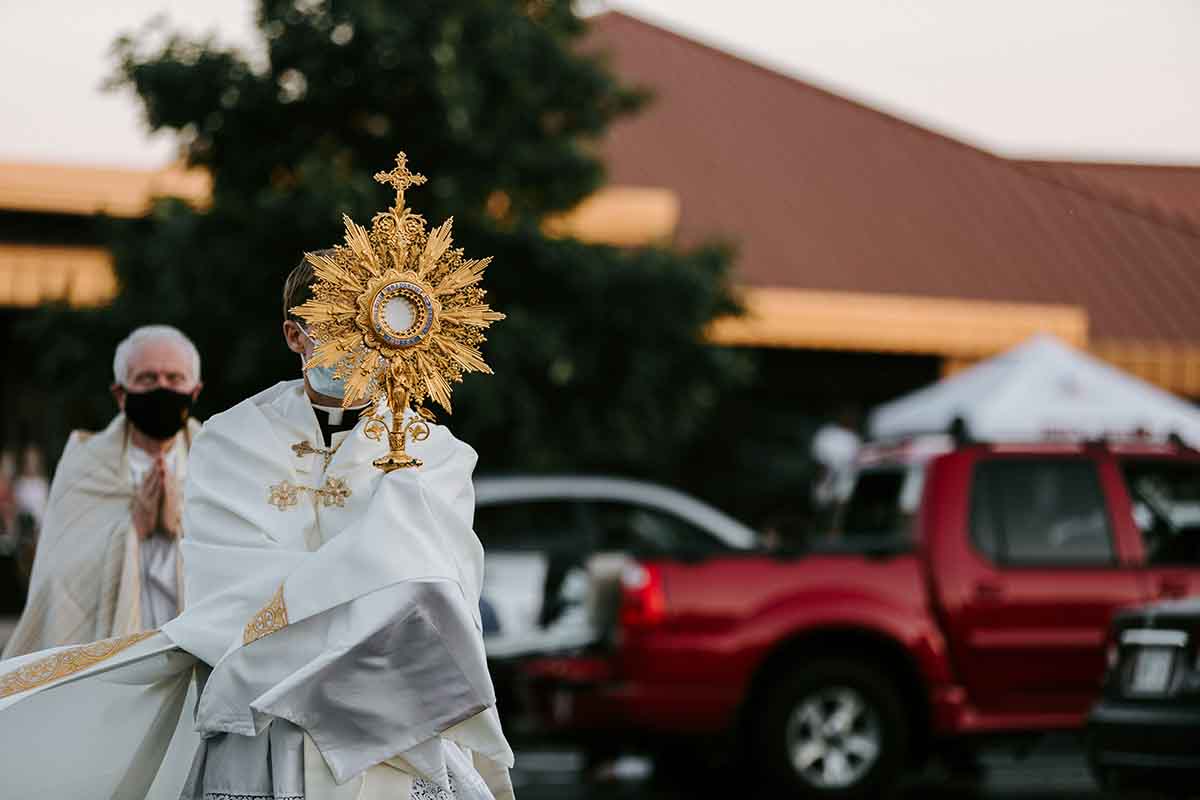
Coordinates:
<point>553,543</point>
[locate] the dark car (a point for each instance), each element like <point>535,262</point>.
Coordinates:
<point>1145,731</point>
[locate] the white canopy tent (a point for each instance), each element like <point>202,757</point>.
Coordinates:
<point>1042,389</point>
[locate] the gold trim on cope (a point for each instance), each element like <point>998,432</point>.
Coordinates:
<point>271,618</point>
<point>65,663</point>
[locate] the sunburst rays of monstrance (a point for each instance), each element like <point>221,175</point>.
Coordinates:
<point>399,314</point>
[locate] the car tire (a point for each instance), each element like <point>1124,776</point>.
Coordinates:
<point>833,729</point>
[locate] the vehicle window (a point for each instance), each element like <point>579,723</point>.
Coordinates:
<point>882,504</point>
<point>985,526</point>
<point>628,527</point>
<point>1166,508</point>
<point>531,525</point>
<point>1048,512</point>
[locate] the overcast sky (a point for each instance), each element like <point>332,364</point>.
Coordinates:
<point>1114,80</point>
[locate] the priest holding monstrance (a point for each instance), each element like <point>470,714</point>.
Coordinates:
<point>332,644</point>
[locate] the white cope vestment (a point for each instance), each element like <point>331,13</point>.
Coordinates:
<point>338,609</point>
<point>89,568</point>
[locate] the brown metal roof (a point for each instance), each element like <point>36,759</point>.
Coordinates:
<point>819,192</point>
<point>1170,192</point>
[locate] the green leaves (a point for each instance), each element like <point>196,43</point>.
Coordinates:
<point>600,364</point>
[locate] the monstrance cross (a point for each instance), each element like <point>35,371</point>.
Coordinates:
<point>400,178</point>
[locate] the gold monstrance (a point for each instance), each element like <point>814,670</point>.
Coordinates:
<point>398,314</point>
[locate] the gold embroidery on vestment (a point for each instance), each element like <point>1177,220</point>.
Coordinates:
<point>333,493</point>
<point>302,449</point>
<point>284,495</point>
<point>271,618</point>
<point>65,663</point>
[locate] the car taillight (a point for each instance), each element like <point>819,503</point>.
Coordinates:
<point>643,596</point>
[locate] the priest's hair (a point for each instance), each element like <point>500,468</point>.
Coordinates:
<point>145,335</point>
<point>298,287</point>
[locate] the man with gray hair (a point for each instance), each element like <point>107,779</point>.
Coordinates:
<point>107,561</point>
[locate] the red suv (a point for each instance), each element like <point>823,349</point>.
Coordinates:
<point>967,591</point>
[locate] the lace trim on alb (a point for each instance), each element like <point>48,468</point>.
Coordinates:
<point>421,790</point>
<point>424,790</point>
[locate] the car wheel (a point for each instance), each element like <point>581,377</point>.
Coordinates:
<point>834,730</point>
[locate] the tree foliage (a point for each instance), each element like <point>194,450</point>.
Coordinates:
<point>600,364</point>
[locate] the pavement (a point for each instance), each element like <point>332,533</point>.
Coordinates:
<point>1053,772</point>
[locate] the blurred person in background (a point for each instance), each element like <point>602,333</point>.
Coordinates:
<point>31,490</point>
<point>8,503</point>
<point>107,560</point>
<point>835,447</point>
<point>12,582</point>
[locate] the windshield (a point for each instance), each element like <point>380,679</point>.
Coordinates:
<point>1166,507</point>
<point>636,528</point>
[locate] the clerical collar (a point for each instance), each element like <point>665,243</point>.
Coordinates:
<point>334,413</point>
<point>335,419</point>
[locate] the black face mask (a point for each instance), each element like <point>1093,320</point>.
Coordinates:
<point>159,414</point>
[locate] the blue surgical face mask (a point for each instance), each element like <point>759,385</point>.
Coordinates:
<point>322,382</point>
<point>321,378</point>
